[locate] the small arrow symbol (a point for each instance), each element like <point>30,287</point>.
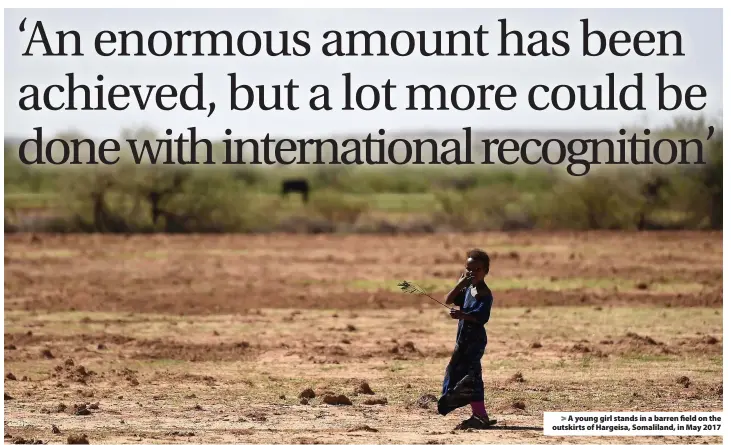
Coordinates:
<point>563,418</point>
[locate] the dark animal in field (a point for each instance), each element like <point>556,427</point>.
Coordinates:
<point>651,193</point>
<point>296,186</point>
<point>463,184</point>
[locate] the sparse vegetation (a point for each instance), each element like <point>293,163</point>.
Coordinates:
<point>137,199</point>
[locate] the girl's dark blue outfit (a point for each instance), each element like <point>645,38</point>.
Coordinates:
<point>463,377</point>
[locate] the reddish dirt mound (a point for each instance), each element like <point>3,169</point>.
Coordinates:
<point>642,340</point>
<point>181,434</point>
<point>336,400</point>
<point>307,393</point>
<point>330,351</point>
<point>127,375</point>
<point>77,439</point>
<point>159,349</point>
<point>633,343</point>
<point>363,388</point>
<point>362,428</point>
<point>71,373</point>
<point>513,407</point>
<point>587,350</point>
<point>703,344</point>
<point>81,410</point>
<point>23,440</point>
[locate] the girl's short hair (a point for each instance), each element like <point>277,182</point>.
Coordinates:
<point>481,256</point>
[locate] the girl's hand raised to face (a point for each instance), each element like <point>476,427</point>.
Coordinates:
<point>465,279</point>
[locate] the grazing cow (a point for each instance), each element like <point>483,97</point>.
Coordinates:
<point>296,186</point>
<point>463,184</point>
<point>651,192</point>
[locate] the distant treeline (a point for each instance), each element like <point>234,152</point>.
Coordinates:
<point>130,198</point>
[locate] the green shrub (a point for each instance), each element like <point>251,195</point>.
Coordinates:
<point>599,201</point>
<point>337,207</point>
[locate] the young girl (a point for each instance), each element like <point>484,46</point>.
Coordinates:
<point>463,378</point>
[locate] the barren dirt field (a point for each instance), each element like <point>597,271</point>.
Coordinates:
<point>307,339</point>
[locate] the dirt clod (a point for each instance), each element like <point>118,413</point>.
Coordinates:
<point>304,401</point>
<point>426,400</point>
<point>46,353</point>
<point>181,433</point>
<point>710,340</point>
<point>307,393</point>
<point>640,339</point>
<point>518,404</point>
<point>362,428</point>
<point>77,439</point>
<point>364,388</point>
<point>257,417</point>
<point>580,348</point>
<point>8,397</point>
<point>341,399</point>
<point>81,410</point>
<point>536,345</point>
<point>69,362</point>
<point>517,377</point>
<point>350,328</point>
<point>642,286</point>
<point>684,380</point>
<point>10,376</point>
<point>375,401</point>
<point>55,429</point>
<point>23,440</point>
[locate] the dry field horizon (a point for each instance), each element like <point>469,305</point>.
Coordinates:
<point>307,338</point>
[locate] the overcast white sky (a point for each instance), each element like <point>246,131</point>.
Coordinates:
<point>702,40</point>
